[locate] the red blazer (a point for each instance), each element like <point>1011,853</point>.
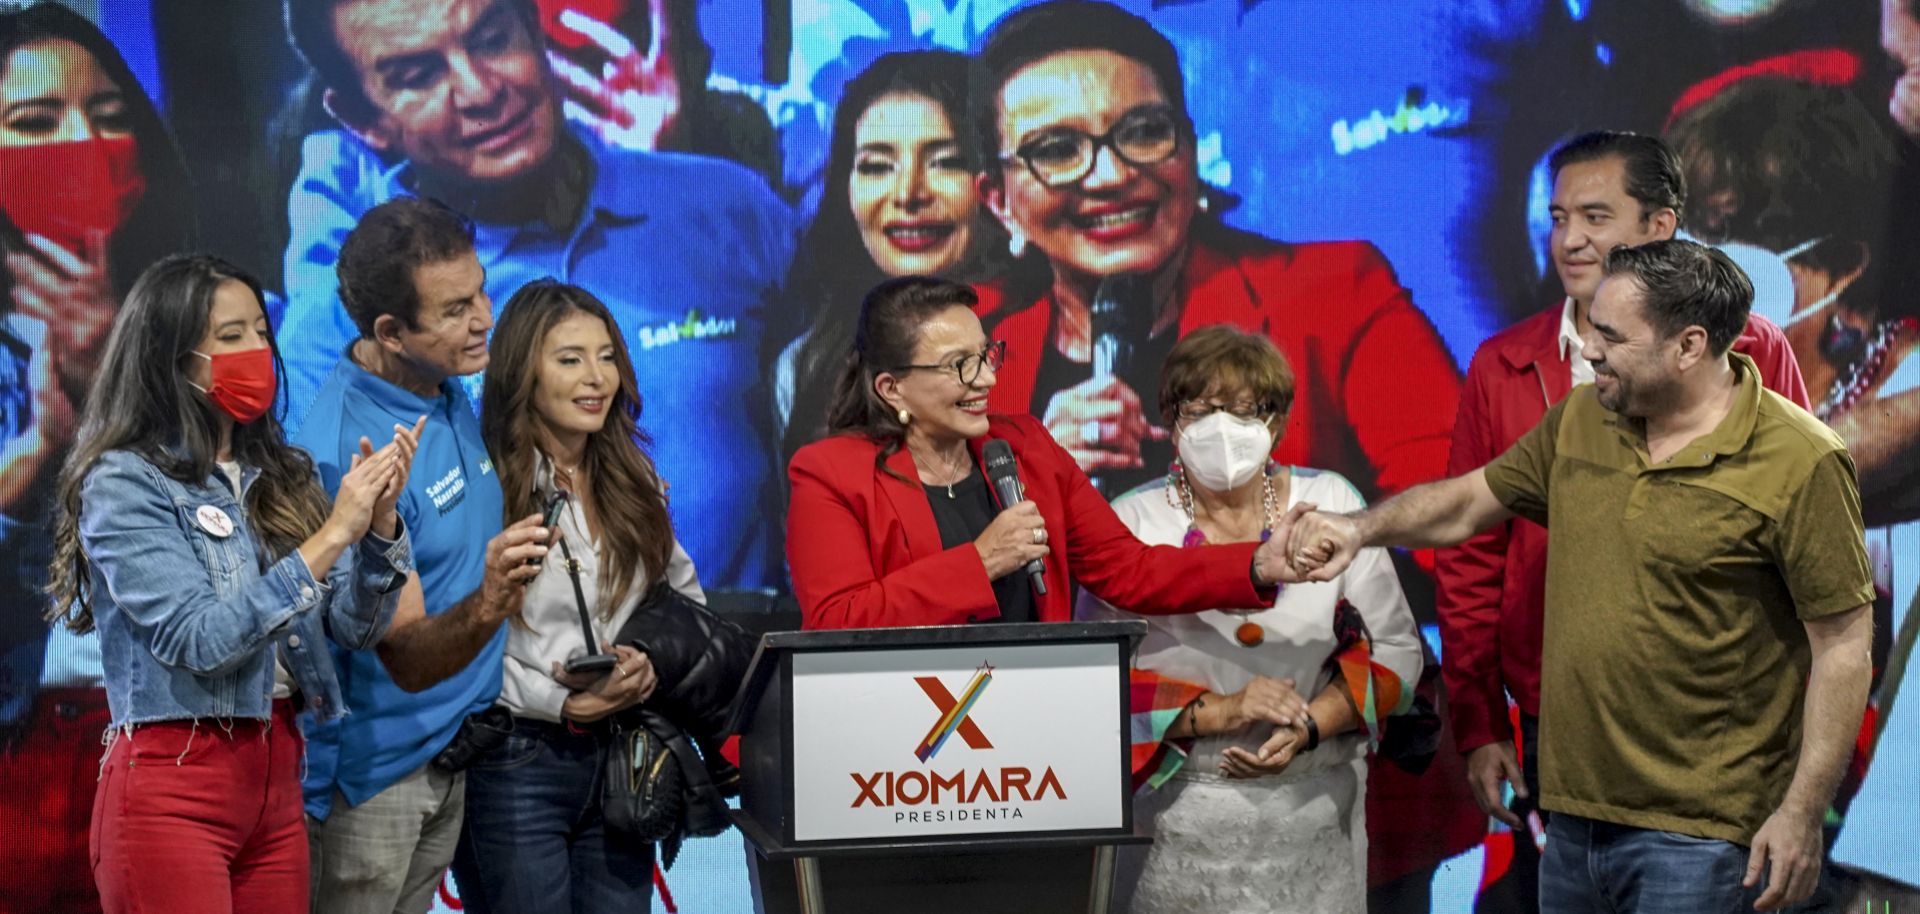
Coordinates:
<point>1493,588</point>
<point>864,551</point>
<point>1375,388</point>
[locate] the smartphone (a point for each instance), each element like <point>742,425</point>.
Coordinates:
<point>554,507</point>
<point>591,663</point>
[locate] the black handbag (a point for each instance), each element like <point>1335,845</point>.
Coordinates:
<point>657,786</point>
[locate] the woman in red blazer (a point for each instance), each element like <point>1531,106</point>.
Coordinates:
<point>892,522</point>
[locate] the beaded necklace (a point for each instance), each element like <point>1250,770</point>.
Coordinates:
<point>1249,633</point>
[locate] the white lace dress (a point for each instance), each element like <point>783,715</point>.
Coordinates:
<point>1292,842</point>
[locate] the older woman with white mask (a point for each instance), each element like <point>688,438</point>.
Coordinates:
<point>1268,818</point>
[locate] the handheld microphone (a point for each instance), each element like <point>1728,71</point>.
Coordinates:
<point>1122,318</point>
<point>1005,476</point>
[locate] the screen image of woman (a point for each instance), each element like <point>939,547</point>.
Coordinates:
<point>92,191</point>
<point>1092,167</point>
<point>900,201</point>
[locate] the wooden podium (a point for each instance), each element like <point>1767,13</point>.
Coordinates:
<point>976,768</point>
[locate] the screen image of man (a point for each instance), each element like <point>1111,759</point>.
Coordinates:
<point>1707,606</point>
<point>454,100</point>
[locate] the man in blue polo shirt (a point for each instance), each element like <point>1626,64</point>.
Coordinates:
<point>453,100</point>
<point>384,820</point>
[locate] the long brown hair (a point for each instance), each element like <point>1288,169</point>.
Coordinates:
<point>141,402</point>
<point>635,530</point>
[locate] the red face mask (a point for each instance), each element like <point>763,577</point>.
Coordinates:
<point>71,192</point>
<point>243,382</point>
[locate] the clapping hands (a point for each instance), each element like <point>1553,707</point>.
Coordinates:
<point>371,487</point>
<point>406,441</point>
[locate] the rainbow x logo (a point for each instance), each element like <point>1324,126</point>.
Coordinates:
<point>953,713</point>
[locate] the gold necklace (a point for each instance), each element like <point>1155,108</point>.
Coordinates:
<point>959,467</point>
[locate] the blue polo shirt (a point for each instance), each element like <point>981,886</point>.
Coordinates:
<point>687,252</point>
<point>452,507</point>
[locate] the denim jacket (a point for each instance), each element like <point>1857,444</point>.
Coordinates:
<point>189,618</point>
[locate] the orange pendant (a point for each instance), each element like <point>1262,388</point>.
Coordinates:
<point>1249,634</point>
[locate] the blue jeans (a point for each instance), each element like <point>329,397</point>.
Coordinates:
<point>1592,867</point>
<point>535,840</point>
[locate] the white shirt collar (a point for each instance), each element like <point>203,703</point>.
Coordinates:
<point>1580,369</point>
<point>1569,331</point>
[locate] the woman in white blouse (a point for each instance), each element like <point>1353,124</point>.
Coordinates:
<point>561,420</point>
<point>1268,819</point>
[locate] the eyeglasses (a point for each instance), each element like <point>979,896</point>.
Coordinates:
<point>1062,155</point>
<point>967,367</point>
<point>1195,410</point>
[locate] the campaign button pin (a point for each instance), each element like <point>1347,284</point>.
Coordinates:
<point>214,521</point>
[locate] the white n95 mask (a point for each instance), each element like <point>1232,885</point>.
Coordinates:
<point>1224,451</point>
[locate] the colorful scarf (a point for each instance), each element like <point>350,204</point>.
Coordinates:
<point>1156,701</point>
<point>1375,690</point>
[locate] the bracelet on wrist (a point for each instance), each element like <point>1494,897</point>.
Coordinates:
<point>1313,733</point>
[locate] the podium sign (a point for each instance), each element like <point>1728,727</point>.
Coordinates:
<point>942,770</point>
<point>918,743</point>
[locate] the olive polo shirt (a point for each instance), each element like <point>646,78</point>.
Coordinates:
<point>1675,662</point>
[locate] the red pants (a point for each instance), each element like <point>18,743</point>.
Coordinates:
<point>47,800</point>
<point>202,817</point>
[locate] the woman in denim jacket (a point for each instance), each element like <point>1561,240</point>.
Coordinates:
<point>201,548</point>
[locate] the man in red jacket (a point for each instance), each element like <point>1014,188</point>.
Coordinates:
<point>1609,189</point>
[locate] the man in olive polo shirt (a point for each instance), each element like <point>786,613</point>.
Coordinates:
<point>1707,620</point>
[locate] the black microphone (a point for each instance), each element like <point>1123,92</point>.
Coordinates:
<point>1005,475</point>
<point>1122,319</point>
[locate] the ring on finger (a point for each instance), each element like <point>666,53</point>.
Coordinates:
<point>1039,535</point>
<point>1090,431</point>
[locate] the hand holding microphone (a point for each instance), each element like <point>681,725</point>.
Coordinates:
<point>1004,473</point>
<point>1015,537</point>
<point>1102,421</point>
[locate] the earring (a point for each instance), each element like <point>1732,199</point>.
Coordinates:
<point>1206,202</point>
<point>905,417</point>
<point>1016,242</point>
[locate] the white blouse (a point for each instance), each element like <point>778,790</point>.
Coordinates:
<point>1201,648</point>
<point>547,631</point>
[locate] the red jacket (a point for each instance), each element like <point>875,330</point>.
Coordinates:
<point>1375,389</point>
<point>1492,588</point>
<point>865,552</point>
